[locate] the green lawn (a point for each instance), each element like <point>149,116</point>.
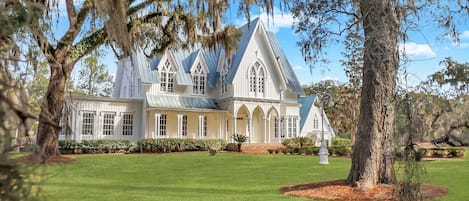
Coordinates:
<point>197,176</point>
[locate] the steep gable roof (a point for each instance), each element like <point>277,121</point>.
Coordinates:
<point>147,75</point>
<point>306,105</point>
<point>184,59</point>
<point>248,31</point>
<point>292,82</point>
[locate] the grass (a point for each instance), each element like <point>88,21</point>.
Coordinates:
<point>197,176</point>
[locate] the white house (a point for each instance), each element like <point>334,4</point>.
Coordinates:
<point>198,94</point>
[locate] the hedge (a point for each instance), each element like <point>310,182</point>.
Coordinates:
<point>165,145</point>
<point>341,142</point>
<point>440,152</point>
<point>96,146</point>
<point>310,150</point>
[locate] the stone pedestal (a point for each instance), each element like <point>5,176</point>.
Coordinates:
<point>323,154</point>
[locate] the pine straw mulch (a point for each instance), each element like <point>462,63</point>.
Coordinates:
<point>35,160</point>
<point>339,190</point>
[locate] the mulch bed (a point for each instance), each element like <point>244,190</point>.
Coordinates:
<point>339,190</point>
<point>34,160</point>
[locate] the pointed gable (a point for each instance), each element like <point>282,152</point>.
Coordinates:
<point>292,82</point>
<point>212,57</point>
<point>306,103</point>
<point>248,31</point>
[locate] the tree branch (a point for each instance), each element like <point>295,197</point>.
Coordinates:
<point>75,21</point>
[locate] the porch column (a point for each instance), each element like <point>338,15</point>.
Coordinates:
<point>235,125</point>
<point>297,127</point>
<point>265,130</point>
<point>201,125</point>
<point>270,130</point>
<point>279,121</point>
<point>250,129</point>
<point>180,125</point>
<point>157,125</point>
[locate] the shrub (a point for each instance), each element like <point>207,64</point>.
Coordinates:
<point>212,151</point>
<point>145,145</point>
<point>308,150</point>
<point>341,142</point>
<point>315,150</point>
<point>231,147</point>
<point>271,151</point>
<point>341,151</point>
<point>239,139</point>
<point>288,142</point>
<point>285,150</point>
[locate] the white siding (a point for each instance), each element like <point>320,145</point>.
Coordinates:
<point>99,107</point>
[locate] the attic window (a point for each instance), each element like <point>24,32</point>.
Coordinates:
<point>256,80</point>
<point>199,77</point>
<point>252,80</point>
<point>223,74</point>
<point>167,73</point>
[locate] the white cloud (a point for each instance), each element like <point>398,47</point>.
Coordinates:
<point>298,67</point>
<point>465,34</point>
<point>414,49</point>
<point>272,23</point>
<point>329,78</point>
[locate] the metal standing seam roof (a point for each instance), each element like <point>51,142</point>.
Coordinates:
<point>145,71</point>
<point>306,104</point>
<point>184,59</point>
<point>212,56</point>
<point>183,62</point>
<point>248,30</point>
<point>177,102</point>
<point>293,83</point>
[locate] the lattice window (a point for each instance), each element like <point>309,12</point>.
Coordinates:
<point>252,80</point>
<point>291,127</point>
<point>163,125</point>
<point>260,81</point>
<point>87,123</point>
<point>127,124</point>
<point>167,73</point>
<point>108,123</point>
<point>223,75</point>
<point>199,78</point>
<point>315,122</point>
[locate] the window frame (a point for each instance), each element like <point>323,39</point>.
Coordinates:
<point>89,124</point>
<point>108,123</point>
<point>199,79</point>
<point>127,128</point>
<point>163,125</point>
<point>167,73</point>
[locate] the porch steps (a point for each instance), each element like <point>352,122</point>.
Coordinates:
<point>260,148</point>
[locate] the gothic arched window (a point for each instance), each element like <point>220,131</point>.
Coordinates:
<point>167,73</point>
<point>199,77</point>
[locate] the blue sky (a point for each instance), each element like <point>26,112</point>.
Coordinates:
<point>425,49</point>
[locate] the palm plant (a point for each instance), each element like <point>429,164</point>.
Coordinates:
<point>302,141</point>
<point>239,139</point>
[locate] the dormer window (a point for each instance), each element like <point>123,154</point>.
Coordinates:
<point>167,73</point>
<point>199,77</point>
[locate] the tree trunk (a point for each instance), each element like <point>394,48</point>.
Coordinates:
<point>372,157</point>
<point>51,109</point>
